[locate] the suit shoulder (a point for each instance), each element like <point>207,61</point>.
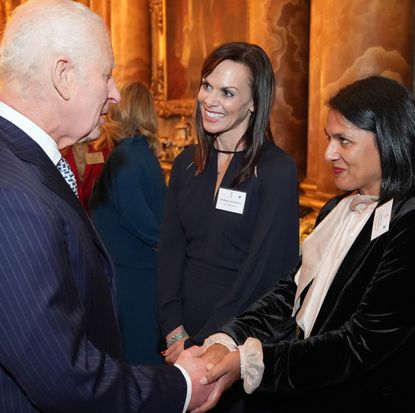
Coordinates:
<point>13,171</point>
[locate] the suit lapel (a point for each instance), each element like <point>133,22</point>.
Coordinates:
<point>29,151</point>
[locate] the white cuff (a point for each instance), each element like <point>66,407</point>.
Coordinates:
<point>221,338</point>
<point>252,364</point>
<point>189,386</point>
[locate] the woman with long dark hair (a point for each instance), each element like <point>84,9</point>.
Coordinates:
<point>230,229</point>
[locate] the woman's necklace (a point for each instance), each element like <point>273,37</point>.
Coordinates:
<point>228,152</point>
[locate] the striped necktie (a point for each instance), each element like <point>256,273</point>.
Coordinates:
<point>68,175</point>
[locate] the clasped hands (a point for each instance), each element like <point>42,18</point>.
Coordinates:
<point>212,371</point>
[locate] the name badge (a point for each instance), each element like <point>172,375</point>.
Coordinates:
<point>382,219</point>
<point>231,200</point>
<point>92,158</point>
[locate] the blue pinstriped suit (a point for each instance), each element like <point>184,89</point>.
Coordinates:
<point>59,342</point>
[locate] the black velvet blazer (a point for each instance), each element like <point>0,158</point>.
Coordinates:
<point>362,346</point>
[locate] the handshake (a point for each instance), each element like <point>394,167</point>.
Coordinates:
<point>212,370</point>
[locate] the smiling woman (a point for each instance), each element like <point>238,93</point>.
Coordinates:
<point>230,229</point>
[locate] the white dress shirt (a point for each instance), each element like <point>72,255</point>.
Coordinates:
<point>44,140</point>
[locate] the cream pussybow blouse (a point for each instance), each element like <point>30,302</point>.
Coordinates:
<point>324,250</point>
<point>322,253</point>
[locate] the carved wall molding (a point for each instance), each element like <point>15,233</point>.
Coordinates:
<point>159,83</point>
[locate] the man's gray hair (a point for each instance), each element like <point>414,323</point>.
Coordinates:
<point>42,29</point>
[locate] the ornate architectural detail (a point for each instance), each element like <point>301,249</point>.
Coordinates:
<point>159,82</point>
<point>156,11</point>
<point>166,108</point>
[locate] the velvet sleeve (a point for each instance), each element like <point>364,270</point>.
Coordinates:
<point>377,329</point>
<point>268,317</point>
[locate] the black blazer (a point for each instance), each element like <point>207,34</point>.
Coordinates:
<point>59,348</point>
<point>361,348</point>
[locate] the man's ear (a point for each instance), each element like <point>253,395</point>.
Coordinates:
<point>63,77</point>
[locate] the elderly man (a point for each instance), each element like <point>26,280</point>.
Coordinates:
<point>59,347</point>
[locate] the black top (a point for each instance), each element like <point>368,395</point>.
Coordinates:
<point>214,263</point>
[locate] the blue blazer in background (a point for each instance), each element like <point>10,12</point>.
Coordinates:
<point>126,207</point>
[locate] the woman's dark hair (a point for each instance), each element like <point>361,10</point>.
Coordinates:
<point>262,85</point>
<point>385,108</point>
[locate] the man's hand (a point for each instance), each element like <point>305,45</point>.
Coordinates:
<point>221,376</point>
<point>195,366</point>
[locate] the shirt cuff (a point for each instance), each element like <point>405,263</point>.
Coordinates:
<point>252,364</point>
<point>221,338</point>
<point>189,386</point>
<point>250,353</point>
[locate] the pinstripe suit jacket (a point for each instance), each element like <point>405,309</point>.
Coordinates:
<point>59,341</point>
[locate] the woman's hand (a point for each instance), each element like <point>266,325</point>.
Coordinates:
<point>173,352</point>
<point>177,345</point>
<point>215,354</point>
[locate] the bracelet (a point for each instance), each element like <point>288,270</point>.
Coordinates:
<point>176,337</point>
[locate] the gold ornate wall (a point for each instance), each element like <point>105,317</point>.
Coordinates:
<point>6,7</point>
<point>129,24</point>
<point>350,40</point>
<point>315,47</point>
<point>280,27</point>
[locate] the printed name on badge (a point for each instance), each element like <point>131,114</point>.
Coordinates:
<point>381,220</point>
<point>92,158</point>
<point>231,201</point>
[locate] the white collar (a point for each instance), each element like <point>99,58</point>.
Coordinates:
<point>44,140</point>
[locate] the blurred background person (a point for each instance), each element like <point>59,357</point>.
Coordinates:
<point>338,335</point>
<point>126,208</point>
<point>86,160</point>
<point>230,229</point>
